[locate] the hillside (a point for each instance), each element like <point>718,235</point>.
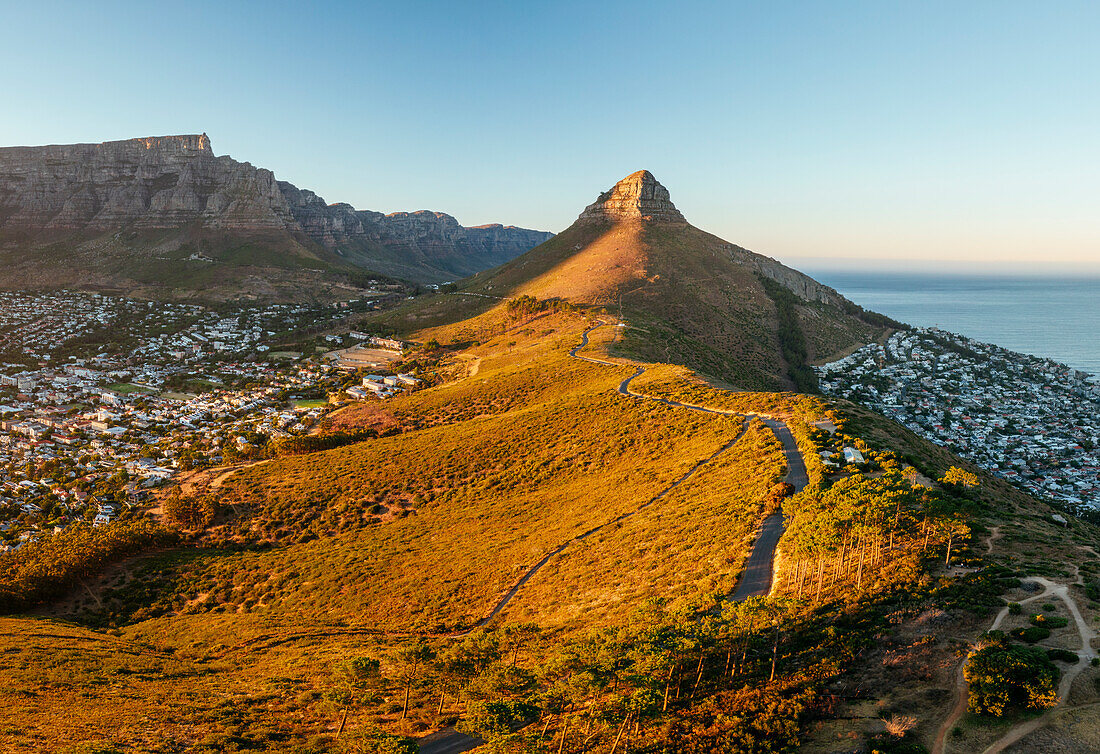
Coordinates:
<point>689,297</point>
<point>260,632</point>
<point>547,544</point>
<point>165,216</point>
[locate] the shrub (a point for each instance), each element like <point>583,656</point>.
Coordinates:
<point>1032,634</point>
<point>373,740</point>
<point>1015,608</point>
<point>1003,676</point>
<point>1049,621</point>
<point>1063,655</point>
<point>490,719</point>
<point>189,511</point>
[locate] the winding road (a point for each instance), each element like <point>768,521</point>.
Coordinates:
<point>759,568</point>
<point>756,580</point>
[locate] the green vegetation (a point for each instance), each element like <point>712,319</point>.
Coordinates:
<point>1002,676</point>
<point>1032,634</point>
<point>57,563</point>
<point>1049,621</point>
<point>342,585</point>
<point>792,342</point>
<point>126,389</point>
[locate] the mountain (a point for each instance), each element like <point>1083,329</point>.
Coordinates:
<point>166,212</point>
<point>691,297</point>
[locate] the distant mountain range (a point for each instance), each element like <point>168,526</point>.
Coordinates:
<point>164,213</point>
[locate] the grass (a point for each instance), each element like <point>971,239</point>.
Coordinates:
<point>239,640</point>
<point>310,403</point>
<point>128,388</point>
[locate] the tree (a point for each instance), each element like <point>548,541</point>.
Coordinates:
<point>189,511</point>
<point>1003,676</point>
<point>406,666</point>
<point>960,477</point>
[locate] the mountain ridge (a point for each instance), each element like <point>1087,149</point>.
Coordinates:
<point>76,194</point>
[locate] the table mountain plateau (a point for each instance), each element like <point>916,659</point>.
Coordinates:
<point>166,213</point>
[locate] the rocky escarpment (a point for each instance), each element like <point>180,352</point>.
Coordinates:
<point>78,193</point>
<point>426,238</point>
<point>690,297</point>
<point>162,182</point>
<point>637,197</point>
<point>803,286</point>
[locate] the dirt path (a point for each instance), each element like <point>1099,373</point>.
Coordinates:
<point>1084,654</point>
<point>214,477</point>
<point>1084,658</point>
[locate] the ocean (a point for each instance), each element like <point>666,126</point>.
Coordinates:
<point>1057,318</point>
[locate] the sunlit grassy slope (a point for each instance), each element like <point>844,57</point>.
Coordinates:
<point>419,532</point>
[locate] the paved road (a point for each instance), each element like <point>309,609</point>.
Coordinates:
<point>757,578</point>
<point>448,741</point>
<point>759,567</point>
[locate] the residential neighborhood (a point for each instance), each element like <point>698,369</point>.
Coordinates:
<point>1031,421</point>
<point>104,398</point>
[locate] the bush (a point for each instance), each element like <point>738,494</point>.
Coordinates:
<point>491,719</point>
<point>1062,655</point>
<point>374,740</point>
<point>1031,635</point>
<point>1049,621</point>
<point>1014,608</point>
<point>1003,676</point>
<point>189,511</point>
<point>58,562</point>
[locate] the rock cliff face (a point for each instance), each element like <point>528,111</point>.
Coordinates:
<point>637,197</point>
<point>82,191</point>
<point>421,237</point>
<point>162,182</point>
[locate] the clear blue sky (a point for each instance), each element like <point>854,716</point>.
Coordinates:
<point>950,133</point>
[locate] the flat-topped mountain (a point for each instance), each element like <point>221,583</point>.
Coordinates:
<point>694,298</point>
<point>86,213</point>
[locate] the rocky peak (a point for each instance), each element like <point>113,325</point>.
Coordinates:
<point>639,196</point>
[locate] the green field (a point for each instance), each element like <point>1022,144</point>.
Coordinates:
<point>126,388</point>
<point>310,402</point>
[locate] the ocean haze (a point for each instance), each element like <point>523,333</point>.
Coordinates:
<point>1053,317</point>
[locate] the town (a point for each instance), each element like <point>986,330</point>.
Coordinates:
<point>1031,421</point>
<point>104,398</point>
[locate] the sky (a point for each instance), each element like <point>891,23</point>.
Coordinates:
<point>930,135</point>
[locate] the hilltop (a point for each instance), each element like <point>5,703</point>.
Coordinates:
<point>690,297</point>
<point>164,215</point>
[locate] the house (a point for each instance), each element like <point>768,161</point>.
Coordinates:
<point>851,455</point>
<point>391,344</point>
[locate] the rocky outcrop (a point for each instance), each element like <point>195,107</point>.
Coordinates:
<point>639,196</point>
<point>803,286</point>
<point>162,182</point>
<point>88,190</point>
